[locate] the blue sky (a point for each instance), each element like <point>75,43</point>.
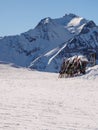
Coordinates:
<point>17,16</point>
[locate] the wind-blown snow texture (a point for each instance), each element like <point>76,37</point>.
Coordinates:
<point>32,100</point>
<point>44,47</point>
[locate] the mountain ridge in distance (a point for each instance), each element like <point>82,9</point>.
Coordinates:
<point>44,47</point>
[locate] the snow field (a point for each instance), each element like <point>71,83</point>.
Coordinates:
<point>32,100</point>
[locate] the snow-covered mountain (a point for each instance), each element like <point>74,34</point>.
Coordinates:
<point>44,47</point>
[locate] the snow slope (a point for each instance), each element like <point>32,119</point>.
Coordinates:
<point>32,100</point>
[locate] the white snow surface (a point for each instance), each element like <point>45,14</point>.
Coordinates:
<point>32,100</point>
<point>75,21</point>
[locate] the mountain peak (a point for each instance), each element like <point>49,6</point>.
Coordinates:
<point>70,15</point>
<point>45,21</point>
<point>44,47</point>
<point>90,24</point>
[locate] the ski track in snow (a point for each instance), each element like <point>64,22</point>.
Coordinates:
<point>31,100</point>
